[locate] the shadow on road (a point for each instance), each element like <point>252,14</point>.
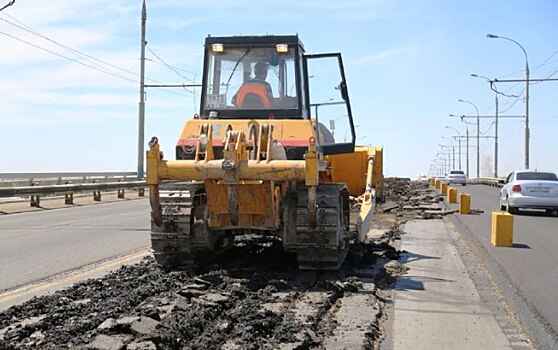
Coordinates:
<point>408,257</point>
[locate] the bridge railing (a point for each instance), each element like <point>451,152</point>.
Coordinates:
<point>35,185</point>
<point>491,181</point>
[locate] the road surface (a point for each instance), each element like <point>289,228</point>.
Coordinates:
<point>529,268</point>
<point>38,245</point>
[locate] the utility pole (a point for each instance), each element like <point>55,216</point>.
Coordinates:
<point>459,141</point>
<point>467,147</point>
<point>459,145</point>
<point>478,133</point>
<point>141,121</point>
<point>496,138</point>
<point>497,118</point>
<point>527,132</point>
<point>496,92</point>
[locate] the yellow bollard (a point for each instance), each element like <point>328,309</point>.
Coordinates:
<point>437,184</point>
<point>452,195</point>
<point>464,203</point>
<point>444,188</point>
<point>502,229</point>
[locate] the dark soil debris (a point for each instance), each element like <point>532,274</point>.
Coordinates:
<point>251,297</point>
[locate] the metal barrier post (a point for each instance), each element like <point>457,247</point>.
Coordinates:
<point>69,198</point>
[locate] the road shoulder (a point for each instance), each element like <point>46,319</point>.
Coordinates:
<point>436,304</point>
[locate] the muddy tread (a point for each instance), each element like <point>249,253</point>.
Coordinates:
<point>321,247</point>
<point>172,242</point>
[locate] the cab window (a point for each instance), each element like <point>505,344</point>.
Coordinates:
<point>233,67</point>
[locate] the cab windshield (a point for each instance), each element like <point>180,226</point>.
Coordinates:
<point>232,68</point>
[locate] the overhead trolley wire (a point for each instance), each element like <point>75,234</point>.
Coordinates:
<point>28,29</point>
<point>80,54</point>
<point>69,58</point>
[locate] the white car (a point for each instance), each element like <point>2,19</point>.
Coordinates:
<point>457,177</point>
<point>531,190</point>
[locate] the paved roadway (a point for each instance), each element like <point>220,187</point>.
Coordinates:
<point>38,245</point>
<point>531,266</point>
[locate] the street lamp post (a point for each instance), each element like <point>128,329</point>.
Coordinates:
<point>527,133</point>
<point>478,134</point>
<point>458,142</point>
<point>495,122</point>
<point>443,163</point>
<point>447,156</point>
<point>466,142</point>
<point>467,147</point>
<point>453,151</point>
<point>440,168</point>
<point>444,157</point>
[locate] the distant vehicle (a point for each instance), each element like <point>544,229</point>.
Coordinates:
<point>422,178</point>
<point>530,190</point>
<point>457,177</point>
<point>442,178</point>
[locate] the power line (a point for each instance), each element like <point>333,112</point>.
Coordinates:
<point>546,61</point>
<point>28,29</point>
<point>546,120</point>
<point>534,68</point>
<point>69,58</point>
<point>83,64</point>
<point>97,67</point>
<point>7,5</point>
<point>487,130</point>
<point>168,66</point>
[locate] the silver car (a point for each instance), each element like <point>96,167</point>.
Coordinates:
<point>457,177</point>
<point>531,190</point>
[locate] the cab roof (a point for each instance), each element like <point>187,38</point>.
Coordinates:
<point>263,40</point>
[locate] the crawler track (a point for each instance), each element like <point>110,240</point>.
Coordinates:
<point>325,245</point>
<point>183,236</point>
<point>184,239</point>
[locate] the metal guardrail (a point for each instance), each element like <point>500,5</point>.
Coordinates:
<point>36,185</point>
<point>31,179</point>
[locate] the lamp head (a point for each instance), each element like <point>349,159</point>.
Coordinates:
<point>491,36</point>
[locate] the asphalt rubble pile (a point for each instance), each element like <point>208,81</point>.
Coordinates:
<point>251,297</point>
<point>412,200</point>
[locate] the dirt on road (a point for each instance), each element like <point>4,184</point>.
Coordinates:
<point>251,297</point>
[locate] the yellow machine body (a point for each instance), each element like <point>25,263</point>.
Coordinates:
<point>281,173</point>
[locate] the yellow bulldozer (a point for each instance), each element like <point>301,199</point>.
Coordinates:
<point>259,159</point>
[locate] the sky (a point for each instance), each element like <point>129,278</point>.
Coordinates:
<point>69,88</point>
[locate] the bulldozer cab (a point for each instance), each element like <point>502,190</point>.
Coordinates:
<point>293,86</point>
